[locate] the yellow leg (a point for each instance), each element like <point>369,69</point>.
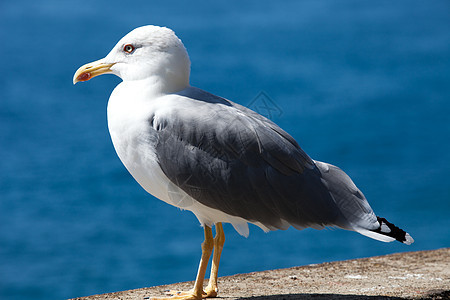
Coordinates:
<point>197,292</point>
<point>207,248</point>
<point>212,289</point>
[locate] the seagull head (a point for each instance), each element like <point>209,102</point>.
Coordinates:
<point>150,53</point>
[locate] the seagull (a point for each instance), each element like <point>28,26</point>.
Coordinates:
<point>220,160</point>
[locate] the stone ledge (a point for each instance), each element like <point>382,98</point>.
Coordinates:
<point>409,275</point>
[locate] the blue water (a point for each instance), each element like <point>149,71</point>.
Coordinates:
<point>364,85</point>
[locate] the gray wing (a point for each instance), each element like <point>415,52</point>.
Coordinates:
<point>230,158</point>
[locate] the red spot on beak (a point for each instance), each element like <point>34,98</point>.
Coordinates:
<point>84,76</point>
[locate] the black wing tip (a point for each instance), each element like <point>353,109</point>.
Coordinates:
<point>389,229</point>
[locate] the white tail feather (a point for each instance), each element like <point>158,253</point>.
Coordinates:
<point>374,235</point>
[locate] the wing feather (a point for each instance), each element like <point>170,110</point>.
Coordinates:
<point>230,158</point>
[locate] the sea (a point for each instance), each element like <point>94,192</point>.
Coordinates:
<point>364,85</point>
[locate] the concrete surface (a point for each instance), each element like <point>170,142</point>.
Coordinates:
<point>409,275</point>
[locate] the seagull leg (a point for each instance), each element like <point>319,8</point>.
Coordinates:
<point>212,289</point>
<point>197,292</point>
<point>207,248</point>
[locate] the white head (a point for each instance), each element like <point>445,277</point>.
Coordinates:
<point>148,53</point>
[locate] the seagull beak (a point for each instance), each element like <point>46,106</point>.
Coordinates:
<point>90,70</point>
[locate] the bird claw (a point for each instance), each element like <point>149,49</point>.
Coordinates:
<point>187,295</point>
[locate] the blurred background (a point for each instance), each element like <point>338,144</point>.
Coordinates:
<point>364,85</point>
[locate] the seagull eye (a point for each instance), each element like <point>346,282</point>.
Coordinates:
<point>128,48</point>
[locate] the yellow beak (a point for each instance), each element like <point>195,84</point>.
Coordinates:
<point>91,70</point>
